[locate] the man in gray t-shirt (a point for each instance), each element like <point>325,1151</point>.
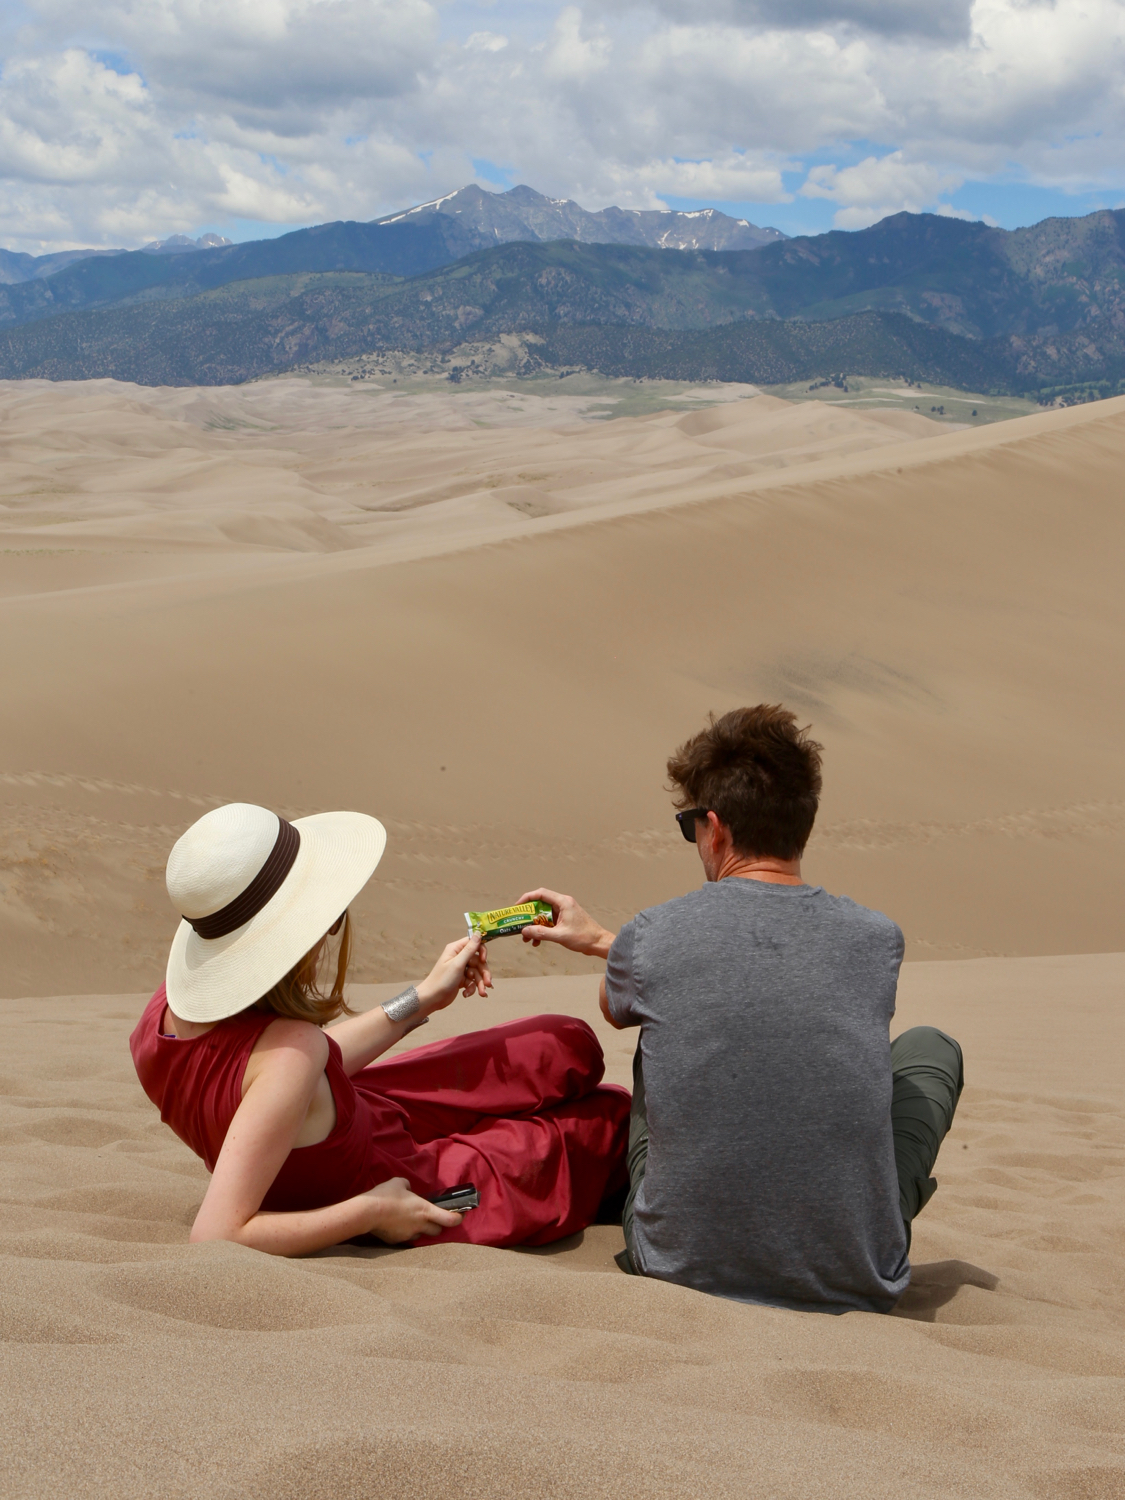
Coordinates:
<point>780,1144</point>
<point>764,1012</point>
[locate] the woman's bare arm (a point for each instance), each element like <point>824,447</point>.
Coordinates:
<point>462,967</point>
<point>260,1137</point>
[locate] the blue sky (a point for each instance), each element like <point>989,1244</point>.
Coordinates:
<point>139,119</point>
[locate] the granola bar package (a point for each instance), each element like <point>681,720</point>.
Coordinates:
<point>508,919</point>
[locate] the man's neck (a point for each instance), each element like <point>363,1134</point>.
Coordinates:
<point>761,867</point>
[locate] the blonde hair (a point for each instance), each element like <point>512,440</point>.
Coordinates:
<point>301,995</point>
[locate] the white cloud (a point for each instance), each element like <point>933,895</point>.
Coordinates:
<point>276,61</point>
<point>879,186</point>
<point>572,56</point>
<point>947,211</point>
<point>730,179</point>
<point>70,119</point>
<point>486,41</point>
<point>140,118</point>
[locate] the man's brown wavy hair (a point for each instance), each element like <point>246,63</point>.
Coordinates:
<point>759,772</point>
<point>302,996</point>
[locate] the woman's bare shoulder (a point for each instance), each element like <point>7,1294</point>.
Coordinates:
<point>291,1039</point>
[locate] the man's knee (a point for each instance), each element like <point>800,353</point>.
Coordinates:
<point>924,1044</point>
<point>933,1059</point>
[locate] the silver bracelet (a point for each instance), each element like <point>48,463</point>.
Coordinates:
<point>403,1006</point>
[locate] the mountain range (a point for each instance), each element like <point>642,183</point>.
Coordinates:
<point>1036,309</point>
<point>15,266</point>
<point>182,244</point>
<point>407,244</point>
<point>479,219</point>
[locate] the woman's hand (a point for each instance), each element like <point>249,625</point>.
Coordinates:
<point>397,1214</point>
<point>463,966</point>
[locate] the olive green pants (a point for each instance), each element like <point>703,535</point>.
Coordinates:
<point>928,1075</point>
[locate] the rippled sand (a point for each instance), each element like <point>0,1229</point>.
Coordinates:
<point>136,1365</point>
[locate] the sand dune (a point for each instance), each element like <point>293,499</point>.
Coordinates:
<point>286,466</point>
<point>139,1366</point>
<point>946,611</point>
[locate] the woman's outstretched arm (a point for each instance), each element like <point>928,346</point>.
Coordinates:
<point>260,1137</point>
<point>462,967</point>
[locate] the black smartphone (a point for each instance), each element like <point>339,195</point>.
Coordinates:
<point>460,1198</point>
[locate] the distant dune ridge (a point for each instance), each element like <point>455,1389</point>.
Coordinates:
<point>487,617</point>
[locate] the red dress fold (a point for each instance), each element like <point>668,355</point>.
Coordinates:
<point>519,1110</point>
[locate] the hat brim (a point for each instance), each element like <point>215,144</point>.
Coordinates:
<point>209,979</point>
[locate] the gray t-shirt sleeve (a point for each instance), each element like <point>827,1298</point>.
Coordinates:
<point>620,979</point>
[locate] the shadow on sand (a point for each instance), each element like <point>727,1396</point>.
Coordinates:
<point>934,1284</point>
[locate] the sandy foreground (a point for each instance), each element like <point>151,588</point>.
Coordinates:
<point>135,1365</point>
<point>488,621</point>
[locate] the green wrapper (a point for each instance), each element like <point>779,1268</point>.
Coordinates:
<point>508,919</point>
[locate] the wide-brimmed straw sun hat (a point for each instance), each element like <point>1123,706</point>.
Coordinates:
<point>255,894</point>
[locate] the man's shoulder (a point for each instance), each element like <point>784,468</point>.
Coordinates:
<point>705,905</point>
<point>865,916</point>
<point>858,929</point>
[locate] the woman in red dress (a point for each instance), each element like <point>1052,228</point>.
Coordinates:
<point>309,1144</point>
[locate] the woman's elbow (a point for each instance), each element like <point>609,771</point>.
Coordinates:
<point>206,1230</point>
<point>253,1235</point>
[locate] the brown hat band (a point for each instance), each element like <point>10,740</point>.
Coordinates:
<point>262,889</point>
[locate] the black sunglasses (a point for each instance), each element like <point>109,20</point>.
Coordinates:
<point>686,820</point>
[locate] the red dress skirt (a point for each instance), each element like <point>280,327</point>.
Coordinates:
<point>518,1110</point>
